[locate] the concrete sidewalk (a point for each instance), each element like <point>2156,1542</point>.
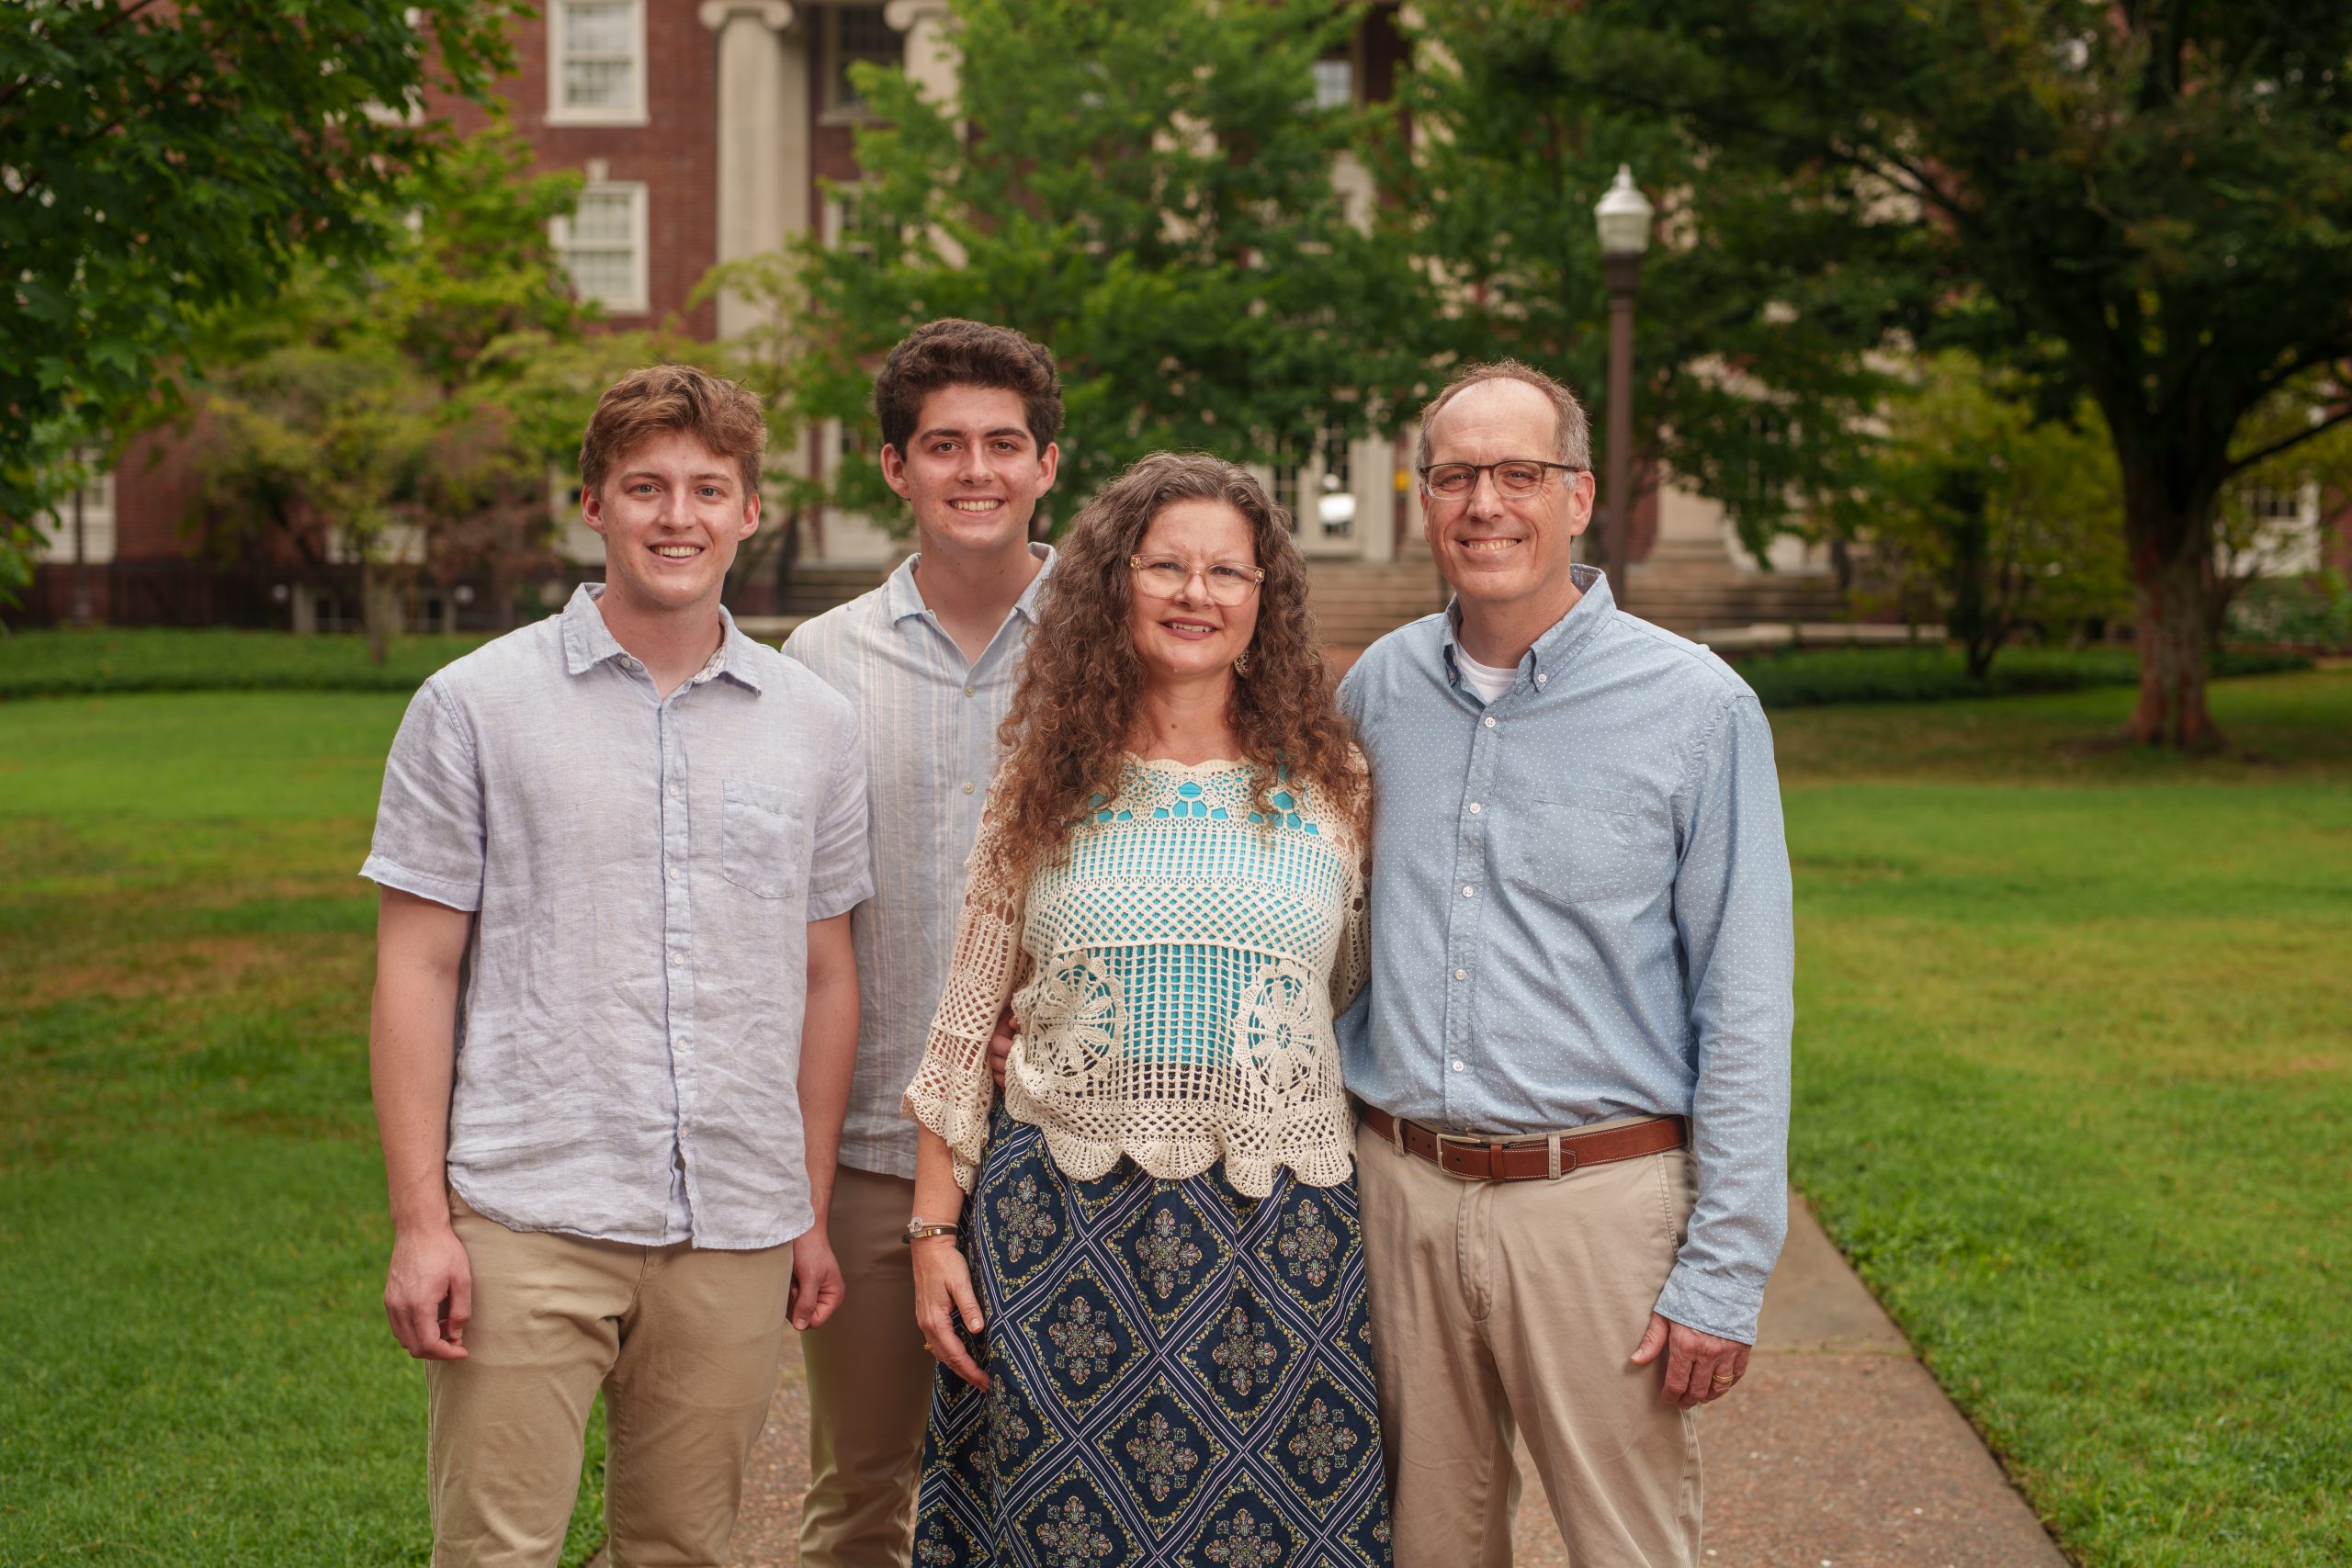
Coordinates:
<point>1838,1452</point>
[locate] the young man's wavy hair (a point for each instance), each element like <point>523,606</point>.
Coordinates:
<point>952,352</point>
<point>1082,681</point>
<point>660,399</point>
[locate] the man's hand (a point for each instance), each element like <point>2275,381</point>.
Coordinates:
<point>1000,1045</point>
<point>943,1294</point>
<point>1699,1367</point>
<point>429,1293</point>
<point>817,1287</point>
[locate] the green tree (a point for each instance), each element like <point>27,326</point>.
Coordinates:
<point>1758,309</point>
<point>1147,186</point>
<point>2158,188</point>
<point>1991,517</point>
<point>159,162</point>
<point>407,412</point>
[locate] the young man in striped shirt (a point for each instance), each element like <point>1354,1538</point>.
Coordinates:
<point>970,414</point>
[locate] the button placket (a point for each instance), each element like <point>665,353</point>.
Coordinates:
<point>1470,867</point>
<point>677,917</point>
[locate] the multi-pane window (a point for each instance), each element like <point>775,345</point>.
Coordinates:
<point>596,61</point>
<point>1337,505</point>
<point>1285,489</point>
<point>2275,504</point>
<point>603,246</point>
<point>1335,83</point>
<point>859,33</point>
<point>89,509</point>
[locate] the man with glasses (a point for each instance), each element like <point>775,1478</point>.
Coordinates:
<point>1571,1063</point>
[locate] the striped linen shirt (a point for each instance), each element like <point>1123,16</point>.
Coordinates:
<point>1580,911</point>
<point>929,719</point>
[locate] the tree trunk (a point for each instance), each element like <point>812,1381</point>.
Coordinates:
<point>2171,578</point>
<point>376,609</point>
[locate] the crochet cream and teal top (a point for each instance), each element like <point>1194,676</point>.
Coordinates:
<point>1174,979</point>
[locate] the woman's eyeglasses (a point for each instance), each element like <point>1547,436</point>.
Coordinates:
<point>1165,577</point>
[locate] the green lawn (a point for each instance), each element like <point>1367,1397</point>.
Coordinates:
<point>2074,1090</point>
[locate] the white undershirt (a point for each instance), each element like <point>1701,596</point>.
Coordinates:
<point>1485,679</point>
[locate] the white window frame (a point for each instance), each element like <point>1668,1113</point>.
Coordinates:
<point>561,113</point>
<point>638,302</point>
<point>836,108</point>
<point>98,494</point>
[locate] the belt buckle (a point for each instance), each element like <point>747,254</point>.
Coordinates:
<point>1467,1141</point>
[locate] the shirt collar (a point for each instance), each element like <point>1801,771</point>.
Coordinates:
<point>1560,642</point>
<point>905,599</point>
<point>588,642</point>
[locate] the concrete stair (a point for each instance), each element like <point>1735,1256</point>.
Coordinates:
<point>1686,597</point>
<point>1357,604</point>
<point>814,590</point>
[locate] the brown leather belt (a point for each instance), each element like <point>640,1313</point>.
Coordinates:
<point>1549,1157</point>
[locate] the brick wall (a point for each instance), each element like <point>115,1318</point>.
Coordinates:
<point>675,153</point>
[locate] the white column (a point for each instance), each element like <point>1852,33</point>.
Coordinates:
<point>934,63</point>
<point>763,153</point>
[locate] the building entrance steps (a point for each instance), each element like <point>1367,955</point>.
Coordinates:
<point>1837,1449</point>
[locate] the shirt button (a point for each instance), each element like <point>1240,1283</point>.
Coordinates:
<point>1541,679</point>
<point>676,959</point>
<point>1468,891</point>
<point>674,874</point>
<point>1476,809</point>
<point>1457,1067</point>
<point>968,788</point>
<point>1491,721</point>
<point>1461,974</point>
<point>674,791</point>
<point>971,691</point>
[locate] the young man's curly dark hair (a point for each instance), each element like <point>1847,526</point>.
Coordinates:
<point>1081,687</point>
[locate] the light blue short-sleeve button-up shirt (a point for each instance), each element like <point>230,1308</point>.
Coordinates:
<point>1580,911</point>
<point>643,870</point>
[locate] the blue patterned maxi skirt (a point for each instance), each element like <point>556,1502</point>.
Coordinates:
<point>1178,1375</point>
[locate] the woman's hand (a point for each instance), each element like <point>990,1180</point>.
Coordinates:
<point>1000,1045</point>
<point>943,1296</point>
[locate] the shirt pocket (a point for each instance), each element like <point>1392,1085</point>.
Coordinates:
<point>1581,845</point>
<point>759,837</point>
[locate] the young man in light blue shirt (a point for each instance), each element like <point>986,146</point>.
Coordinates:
<point>1572,1062</point>
<point>970,414</point>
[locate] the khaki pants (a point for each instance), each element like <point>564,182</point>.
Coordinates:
<point>1516,1306</point>
<point>869,1386</point>
<point>686,1344</point>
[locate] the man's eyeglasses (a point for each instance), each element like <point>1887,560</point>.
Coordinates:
<point>1516,477</point>
<point>1165,577</point>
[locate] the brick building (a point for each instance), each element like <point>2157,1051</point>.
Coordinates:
<point>703,130</point>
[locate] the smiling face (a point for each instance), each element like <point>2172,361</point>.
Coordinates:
<point>1499,551</point>
<point>1190,634</point>
<point>671,513</point>
<point>971,470</point>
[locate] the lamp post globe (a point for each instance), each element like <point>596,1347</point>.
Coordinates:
<point>1622,218</point>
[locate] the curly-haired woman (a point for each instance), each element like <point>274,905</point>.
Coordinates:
<point>1169,891</point>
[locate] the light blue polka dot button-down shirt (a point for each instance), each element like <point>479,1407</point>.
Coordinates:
<point>1580,912</point>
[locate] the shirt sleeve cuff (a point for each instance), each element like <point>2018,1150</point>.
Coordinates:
<point>440,889</point>
<point>839,898</point>
<point>1709,1305</point>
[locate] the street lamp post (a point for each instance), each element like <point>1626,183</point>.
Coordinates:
<point>1623,218</point>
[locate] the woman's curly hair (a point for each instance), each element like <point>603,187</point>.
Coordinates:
<point>1082,682</point>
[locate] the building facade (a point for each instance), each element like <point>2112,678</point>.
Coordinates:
<point>705,131</point>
